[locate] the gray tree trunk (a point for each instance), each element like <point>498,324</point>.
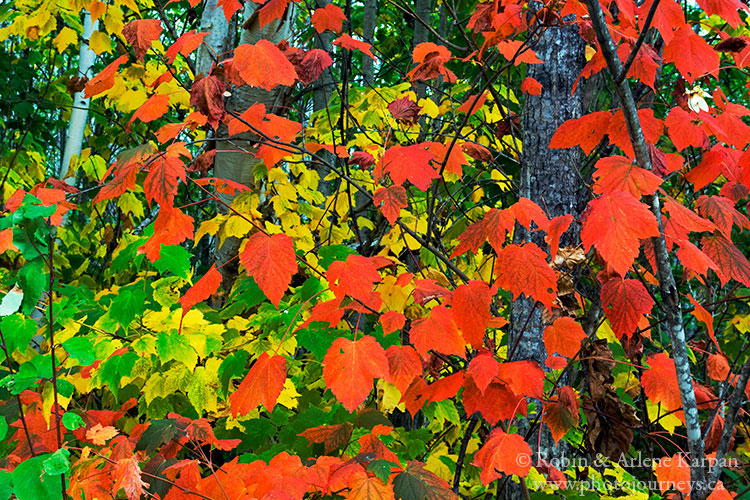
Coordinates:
<point>235,159</point>
<point>368,33</point>
<point>550,178</point>
<point>422,9</point>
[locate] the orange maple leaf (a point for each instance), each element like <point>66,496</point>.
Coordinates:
<point>263,65</point>
<point>99,435</point>
<point>564,337</point>
<point>350,366</point>
<point>330,17</point>
<point>141,33</point>
<point>503,454</point>
<point>261,386</point>
<point>271,261</point>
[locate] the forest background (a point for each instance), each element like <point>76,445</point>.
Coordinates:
<point>430,250</point>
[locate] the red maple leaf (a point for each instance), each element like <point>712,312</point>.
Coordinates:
<point>330,17</point>
<point>431,59</point>
<point>497,401</point>
<point>271,10</point>
<point>471,310</point>
<point>523,270</point>
<point>673,472</point>
<point>652,128</point>
<point>141,33</point>
<point>161,182</point>
<point>437,332</point>
<point>731,262</point>
<point>405,110</point>
<point>721,210</point>
<point>271,261</point>
<point>354,277</point>
<point>313,64</point>
<point>683,131</point>
<point>617,173</point>
<point>625,301</point>
<point>690,53</point>
<point>483,368</point>
<point>105,79</point>
<point>615,225</point>
<point>561,412</point>
<point>261,386</point>
<point>185,45</point>
<point>203,289</point>
<point>390,200</point>
<point>586,131</point>
<point>660,383</point>
<point>564,337</point>
<point>503,454</point>
<point>171,227</point>
<point>263,65</point>
<point>207,94</point>
<point>410,163</point>
<point>126,474</point>
<point>347,42</point>
<point>350,366</point>
<point>392,321</point>
<point>404,366</point>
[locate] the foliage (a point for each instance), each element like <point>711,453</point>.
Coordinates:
<point>363,349</point>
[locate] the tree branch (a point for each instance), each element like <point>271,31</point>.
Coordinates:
<point>669,294</point>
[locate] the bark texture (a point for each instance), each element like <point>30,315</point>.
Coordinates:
<point>550,178</point>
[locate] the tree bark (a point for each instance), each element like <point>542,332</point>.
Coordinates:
<point>80,112</point>
<point>368,33</point>
<point>550,178</point>
<point>235,158</point>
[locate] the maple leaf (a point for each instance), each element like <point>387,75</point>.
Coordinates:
<point>350,366</point>
<point>531,86</point>
<point>155,107</point>
<point>99,435</point>
<point>651,126</point>
<point>431,59</point>
<point>731,262</point>
<point>586,131</point>
<point>483,368</point>
<point>410,163</point>
<point>201,290</point>
<point>263,65</point>
<point>207,94</point>
<point>523,270</point>
<point>270,11</point>
<point>705,317</point>
<point>683,131</point>
<point>354,277</point>
<point>404,366</point>
<point>691,55</point>
<point>660,383</point>
<point>271,261</point>
<point>416,482</point>
<point>471,310</point>
<point>161,182</point>
<point>564,337</point>
<point>717,367</point>
<point>127,475</point>
<point>524,378</point>
<point>313,64</point>
<point>497,401</point>
<point>454,160</point>
<point>140,34</point>
<point>390,200</point>
<point>685,220</point>
<point>437,332</point>
<point>625,301</point>
<point>405,110</point>
<point>261,386</point>
<point>561,412</point>
<point>392,321</point>
<point>617,173</point>
<point>615,225</point>
<point>364,487</point>
<point>674,472</point>
<point>230,7</point>
<point>503,454</point>
<point>721,210</point>
<point>472,104</point>
<point>555,229</point>
<point>105,79</point>
<point>347,42</point>
<point>330,17</point>
<point>185,45</point>
<point>332,436</point>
